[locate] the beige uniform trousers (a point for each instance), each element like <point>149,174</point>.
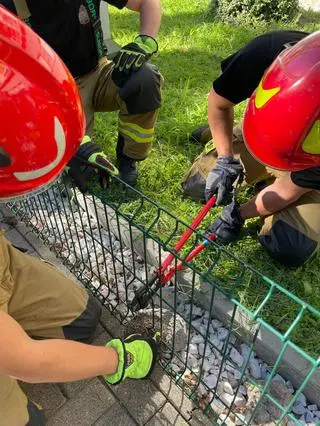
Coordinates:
<point>46,304</point>
<point>138,103</point>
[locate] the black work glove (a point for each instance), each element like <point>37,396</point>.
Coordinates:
<point>132,57</point>
<point>88,159</point>
<point>228,226</point>
<point>221,178</point>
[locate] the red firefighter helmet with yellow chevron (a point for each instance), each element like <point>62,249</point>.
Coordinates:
<point>42,119</point>
<point>282,120</point>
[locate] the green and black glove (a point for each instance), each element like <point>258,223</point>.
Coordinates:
<point>132,57</point>
<point>137,356</point>
<point>88,159</point>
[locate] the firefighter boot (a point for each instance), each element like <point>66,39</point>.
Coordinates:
<point>201,135</point>
<point>127,166</point>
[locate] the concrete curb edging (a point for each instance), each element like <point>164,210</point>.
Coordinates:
<point>267,345</point>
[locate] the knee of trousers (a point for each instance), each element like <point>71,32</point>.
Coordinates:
<point>142,92</point>
<point>287,245</point>
<point>83,327</point>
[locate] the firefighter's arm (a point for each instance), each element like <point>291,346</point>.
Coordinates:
<point>55,360</point>
<point>150,15</point>
<point>220,118</point>
<point>273,198</point>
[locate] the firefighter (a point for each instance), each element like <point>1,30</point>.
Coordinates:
<point>46,320</point>
<point>280,71</point>
<point>129,84</point>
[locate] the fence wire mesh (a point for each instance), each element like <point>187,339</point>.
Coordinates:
<point>226,356</point>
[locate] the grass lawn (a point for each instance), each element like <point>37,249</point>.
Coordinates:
<point>191,46</point>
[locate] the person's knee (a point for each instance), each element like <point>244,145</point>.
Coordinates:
<point>83,327</point>
<point>142,92</point>
<point>287,244</point>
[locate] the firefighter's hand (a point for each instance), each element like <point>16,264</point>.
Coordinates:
<point>221,178</point>
<point>132,57</point>
<point>228,226</point>
<point>137,356</point>
<point>90,158</point>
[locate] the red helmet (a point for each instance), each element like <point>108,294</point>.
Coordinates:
<point>42,120</point>
<point>282,120</point>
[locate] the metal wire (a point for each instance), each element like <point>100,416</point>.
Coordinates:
<point>106,245</point>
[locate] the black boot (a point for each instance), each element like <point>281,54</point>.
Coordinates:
<point>201,135</point>
<point>128,170</point>
<point>126,165</point>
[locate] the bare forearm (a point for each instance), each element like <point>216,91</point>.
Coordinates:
<point>221,126</point>
<point>150,17</point>
<point>63,360</point>
<point>272,199</point>
<point>50,360</point>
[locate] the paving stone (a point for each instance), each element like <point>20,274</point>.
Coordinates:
<point>4,226</point>
<point>111,323</point>
<point>116,415</point>
<point>18,240</point>
<point>101,338</point>
<point>71,389</point>
<point>86,407</point>
<point>48,395</point>
<point>141,398</point>
<point>172,392</point>
<point>167,416</point>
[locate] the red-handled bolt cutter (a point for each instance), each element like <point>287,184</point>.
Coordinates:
<point>164,274</point>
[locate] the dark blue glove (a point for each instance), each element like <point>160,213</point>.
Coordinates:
<point>228,226</point>
<point>221,178</point>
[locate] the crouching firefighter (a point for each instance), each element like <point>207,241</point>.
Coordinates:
<point>129,84</point>
<point>46,320</point>
<point>278,145</point>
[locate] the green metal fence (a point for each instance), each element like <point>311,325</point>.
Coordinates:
<point>231,359</point>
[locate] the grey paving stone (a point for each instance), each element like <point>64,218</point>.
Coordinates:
<point>71,389</point>
<point>172,392</point>
<point>4,226</point>
<point>85,408</point>
<point>141,398</point>
<point>102,339</point>
<point>18,240</point>
<point>48,395</point>
<point>111,323</point>
<point>167,416</point>
<point>116,415</point>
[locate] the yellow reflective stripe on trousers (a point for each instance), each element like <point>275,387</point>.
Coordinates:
<point>137,128</point>
<point>139,136</point>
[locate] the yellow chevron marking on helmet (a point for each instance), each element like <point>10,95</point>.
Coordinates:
<point>311,144</point>
<point>264,95</point>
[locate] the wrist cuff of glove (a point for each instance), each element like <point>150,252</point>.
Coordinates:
<point>148,43</point>
<point>87,148</point>
<point>227,159</point>
<point>116,378</point>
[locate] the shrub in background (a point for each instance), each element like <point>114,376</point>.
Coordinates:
<point>256,10</point>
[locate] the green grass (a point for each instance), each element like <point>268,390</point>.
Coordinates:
<point>191,46</point>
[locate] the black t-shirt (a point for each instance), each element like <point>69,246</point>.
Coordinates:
<point>308,178</point>
<point>243,71</point>
<point>65,25</point>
